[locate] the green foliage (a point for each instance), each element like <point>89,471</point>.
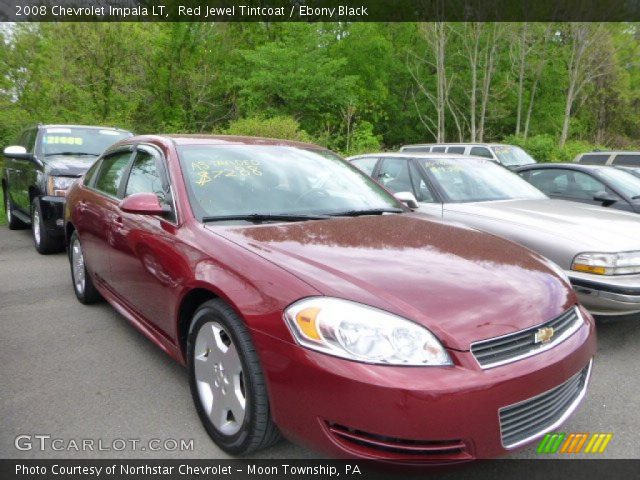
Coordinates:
<point>364,140</point>
<point>544,147</point>
<point>286,128</point>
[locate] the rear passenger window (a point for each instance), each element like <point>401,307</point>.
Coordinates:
<point>366,164</point>
<point>416,149</point>
<point>481,152</point>
<point>594,159</point>
<point>111,171</point>
<point>456,149</point>
<point>438,149</point>
<point>627,159</point>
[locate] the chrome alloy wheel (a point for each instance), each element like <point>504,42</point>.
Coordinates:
<point>36,226</point>
<point>219,378</point>
<point>77,263</point>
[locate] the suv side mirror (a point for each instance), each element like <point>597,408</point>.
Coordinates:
<point>407,198</point>
<point>145,203</point>
<point>18,152</point>
<point>606,198</point>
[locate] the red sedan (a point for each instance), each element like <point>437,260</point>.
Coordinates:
<point>307,301</point>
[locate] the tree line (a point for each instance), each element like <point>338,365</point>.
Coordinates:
<point>555,88</point>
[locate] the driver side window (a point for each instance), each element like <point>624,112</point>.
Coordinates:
<point>145,177</point>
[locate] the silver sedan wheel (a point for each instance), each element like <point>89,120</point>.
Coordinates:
<point>36,226</point>
<point>220,379</point>
<point>77,264</point>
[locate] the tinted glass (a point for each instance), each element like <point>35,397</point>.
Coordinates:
<point>111,170</point>
<point>420,188</point>
<point>438,149</point>
<point>512,156</point>
<point>626,182</point>
<point>144,176</point>
<point>416,149</point>
<point>91,173</point>
<point>366,164</point>
<point>79,141</point>
<point>394,174</point>
<point>481,152</point>
<point>594,159</point>
<point>264,179</point>
<point>456,149</point>
<point>478,180</point>
<point>627,159</point>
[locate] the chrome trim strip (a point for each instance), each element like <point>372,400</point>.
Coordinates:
<point>535,350</point>
<point>558,422</point>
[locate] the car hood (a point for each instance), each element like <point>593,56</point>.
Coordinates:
<point>462,284</point>
<point>591,227</point>
<point>68,165</point>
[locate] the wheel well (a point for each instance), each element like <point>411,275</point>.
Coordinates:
<point>188,307</point>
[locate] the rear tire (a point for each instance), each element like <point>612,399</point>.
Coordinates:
<point>227,383</point>
<point>44,242</point>
<point>82,284</point>
<point>12,221</point>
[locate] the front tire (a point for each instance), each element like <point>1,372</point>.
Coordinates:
<point>82,284</point>
<point>227,383</point>
<point>44,242</point>
<point>12,221</point>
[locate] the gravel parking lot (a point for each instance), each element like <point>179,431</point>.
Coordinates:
<point>77,372</point>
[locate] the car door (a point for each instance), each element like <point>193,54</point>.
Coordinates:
<point>144,271</point>
<point>23,174</point>
<point>97,210</point>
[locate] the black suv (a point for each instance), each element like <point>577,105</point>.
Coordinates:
<point>39,169</point>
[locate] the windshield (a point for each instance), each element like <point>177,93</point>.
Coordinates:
<point>478,181</point>
<point>236,180</point>
<point>79,140</point>
<point>626,182</point>
<point>512,156</point>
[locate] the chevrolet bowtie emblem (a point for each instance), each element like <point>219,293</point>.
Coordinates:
<point>543,335</point>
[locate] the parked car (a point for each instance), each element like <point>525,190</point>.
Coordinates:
<point>598,248</point>
<point>38,171</point>
<point>508,155</point>
<point>616,158</point>
<point>305,300</point>
<point>593,184</point>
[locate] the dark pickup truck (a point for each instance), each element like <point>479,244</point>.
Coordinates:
<point>39,169</point>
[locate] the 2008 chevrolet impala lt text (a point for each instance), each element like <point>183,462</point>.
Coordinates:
<point>307,301</point>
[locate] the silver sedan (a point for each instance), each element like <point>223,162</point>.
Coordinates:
<point>598,249</point>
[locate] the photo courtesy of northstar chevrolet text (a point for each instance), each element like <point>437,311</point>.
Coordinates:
<point>248,238</point>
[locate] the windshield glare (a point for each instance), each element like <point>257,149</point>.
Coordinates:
<point>626,182</point>
<point>512,156</point>
<point>478,181</point>
<point>79,141</point>
<point>225,180</point>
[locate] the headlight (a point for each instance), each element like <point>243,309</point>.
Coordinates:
<point>607,263</point>
<point>362,333</point>
<point>58,186</point>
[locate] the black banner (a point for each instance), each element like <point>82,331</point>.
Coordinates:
<point>318,10</point>
<point>541,469</point>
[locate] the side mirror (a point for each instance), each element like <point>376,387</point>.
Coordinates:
<point>606,198</point>
<point>142,204</point>
<point>18,152</point>
<point>408,199</point>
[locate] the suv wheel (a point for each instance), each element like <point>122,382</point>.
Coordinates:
<point>12,221</point>
<point>227,383</point>
<point>82,283</point>
<point>44,242</point>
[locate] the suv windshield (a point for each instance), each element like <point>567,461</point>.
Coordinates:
<point>478,181</point>
<point>79,140</point>
<point>264,180</point>
<point>512,156</point>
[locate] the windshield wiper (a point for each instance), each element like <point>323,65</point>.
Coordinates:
<point>371,211</point>
<point>264,217</point>
<point>77,154</point>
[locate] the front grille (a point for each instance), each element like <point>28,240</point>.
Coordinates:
<point>515,346</point>
<point>522,421</point>
<point>400,448</point>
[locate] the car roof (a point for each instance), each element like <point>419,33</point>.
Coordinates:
<point>610,152</point>
<point>201,139</point>
<point>425,155</point>
<point>465,144</point>
<point>574,166</point>
<point>96,127</point>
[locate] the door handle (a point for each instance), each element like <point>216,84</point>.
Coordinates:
<point>118,221</point>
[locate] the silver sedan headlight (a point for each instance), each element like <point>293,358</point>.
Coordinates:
<point>624,263</point>
<point>365,334</point>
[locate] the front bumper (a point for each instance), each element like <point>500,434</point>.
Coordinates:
<point>53,214</point>
<point>607,295</point>
<point>409,414</point>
